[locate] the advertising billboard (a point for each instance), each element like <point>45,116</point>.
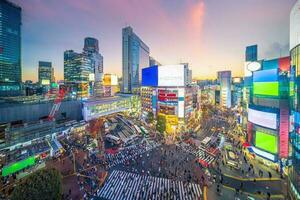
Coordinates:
<point>265,119</point>
<point>17,166</point>
<point>168,95</point>
<point>45,82</point>
<point>266,142</point>
<point>270,75</point>
<point>284,130</point>
<point>110,80</point>
<point>171,75</point>
<point>284,64</point>
<point>266,88</point>
<point>150,76</point>
<point>180,109</point>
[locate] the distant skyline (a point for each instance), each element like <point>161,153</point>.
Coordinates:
<point>211,35</point>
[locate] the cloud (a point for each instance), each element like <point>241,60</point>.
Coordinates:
<point>276,50</point>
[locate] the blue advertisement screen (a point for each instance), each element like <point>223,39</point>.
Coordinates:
<point>150,76</point>
<point>270,75</point>
<point>270,64</point>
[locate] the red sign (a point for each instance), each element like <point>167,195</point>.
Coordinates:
<point>284,64</point>
<point>249,132</point>
<point>284,130</point>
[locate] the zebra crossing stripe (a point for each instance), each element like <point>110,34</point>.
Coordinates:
<point>122,185</point>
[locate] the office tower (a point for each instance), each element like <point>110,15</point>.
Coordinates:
<point>45,73</point>
<point>135,56</point>
<point>76,73</point>
<point>10,49</point>
<point>295,25</point>
<point>294,172</point>
<point>91,51</point>
<point>224,78</point>
<point>187,74</point>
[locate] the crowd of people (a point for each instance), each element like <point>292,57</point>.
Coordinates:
<point>126,185</point>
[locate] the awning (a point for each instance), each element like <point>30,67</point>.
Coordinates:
<point>246,144</point>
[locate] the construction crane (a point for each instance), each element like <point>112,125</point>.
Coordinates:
<point>57,102</point>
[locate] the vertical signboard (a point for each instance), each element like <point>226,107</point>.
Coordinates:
<point>249,132</point>
<point>284,129</point>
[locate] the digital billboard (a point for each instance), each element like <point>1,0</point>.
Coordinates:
<point>265,119</point>
<point>45,82</point>
<point>270,75</point>
<point>171,75</point>
<point>284,129</point>
<point>284,64</point>
<point>266,142</point>
<point>266,88</point>
<point>150,76</point>
<point>17,166</point>
<point>110,80</point>
<point>270,64</point>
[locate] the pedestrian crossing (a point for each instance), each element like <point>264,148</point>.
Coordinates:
<point>129,153</point>
<point>122,185</point>
<point>200,153</point>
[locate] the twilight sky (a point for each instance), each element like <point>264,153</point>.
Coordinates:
<point>211,35</point>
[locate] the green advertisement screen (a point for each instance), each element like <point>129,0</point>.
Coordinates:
<point>266,142</point>
<point>7,170</point>
<point>266,88</point>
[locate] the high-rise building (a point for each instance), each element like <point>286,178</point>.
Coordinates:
<point>45,73</point>
<point>166,95</point>
<point>91,51</point>
<point>83,72</point>
<point>10,49</point>
<point>295,25</point>
<point>135,57</point>
<point>76,73</point>
<point>294,172</point>
<point>224,78</point>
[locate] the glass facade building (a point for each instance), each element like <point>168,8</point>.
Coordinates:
<point>83,72</point>
<point>135,56</point>
<point>45,73</point>
<point>294,172</point>
<point>10,49</point>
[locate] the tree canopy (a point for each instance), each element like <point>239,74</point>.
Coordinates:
<point>43,184</point>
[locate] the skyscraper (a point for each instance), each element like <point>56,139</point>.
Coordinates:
<point>83,71</point>
<point>91,51</point>
<point>135,56</point>
<point>224,77</point>
<point>46,73</point>
<point>10,49</point>
<point>294,172</point>
<point>295,25</point>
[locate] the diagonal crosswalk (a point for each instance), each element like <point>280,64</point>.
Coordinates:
<point>199,152</point>
<point>129,153</point>
<point>122,185</point>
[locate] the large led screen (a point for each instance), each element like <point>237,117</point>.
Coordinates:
<point>15,167</point>
<point>150,76</point>
<point>261,118</point>
<point>171,75</point>
<point>270,75</point>
<point>266,142</point>
<point>266,88</point>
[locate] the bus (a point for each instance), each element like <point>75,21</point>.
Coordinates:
<point>145,132</point>
<point>113,139</point>
<point>206,141</point>
<point>137,129</point>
